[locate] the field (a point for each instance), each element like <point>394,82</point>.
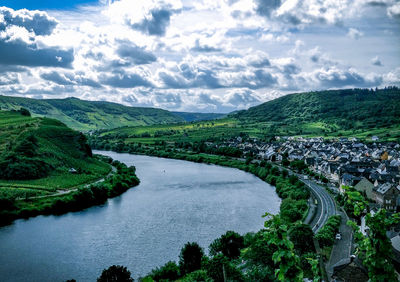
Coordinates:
<point>230,127</point>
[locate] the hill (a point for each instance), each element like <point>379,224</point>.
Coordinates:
<point>91,115</point>
<point>45,150</point>
<point>189,117</point>
<point>88,115</point>
<point>345,109</point>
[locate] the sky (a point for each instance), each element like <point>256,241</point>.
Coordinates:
<point>196,56</point>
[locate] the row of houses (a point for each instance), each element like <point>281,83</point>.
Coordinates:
<point>372,168</point>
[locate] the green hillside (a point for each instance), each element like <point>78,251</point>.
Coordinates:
<point>42,152</point>
<point>198,116</point>
<point>88,115</point>
<point>346,109</point>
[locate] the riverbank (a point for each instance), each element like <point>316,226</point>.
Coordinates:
<point>89,195</point>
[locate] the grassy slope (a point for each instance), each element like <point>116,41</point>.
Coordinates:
<point>87,115</point>
<point>198,116</point>
<point>58,145</point>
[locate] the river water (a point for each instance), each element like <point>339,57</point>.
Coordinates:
<point>176,202</point>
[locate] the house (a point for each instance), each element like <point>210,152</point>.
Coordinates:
<point>349,270</point>
<point>365,186</point>
<point>386,196</point>
<point>349,180</point>
<point>374,138</point>
<point>72,170</point>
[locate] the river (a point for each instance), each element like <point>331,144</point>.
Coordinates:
<point>176,202</point>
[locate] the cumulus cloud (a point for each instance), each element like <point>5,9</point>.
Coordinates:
<point>354,33</point>
<point>266,7</point>
<point>19,52</point>
<point>337,78</point>
<point>376,61</point>
<point>394,10</point>
<point>305,12</point>
<point>138,55</point>
<point>148,16</point>
<point>18,42</point>
<point>37,22</point>
<point>56,77</point>
<point>204,48</point>
<point>392,77</point>
<point>70,79</point>
<point>9,78</point>
<point>125,80</point>
<point>189,77</point>
<point>241,98</point>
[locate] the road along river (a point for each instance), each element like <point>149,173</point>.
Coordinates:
<point>176,202</point>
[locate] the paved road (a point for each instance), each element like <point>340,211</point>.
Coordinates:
<point>325,207</point>
<point>342,249</point>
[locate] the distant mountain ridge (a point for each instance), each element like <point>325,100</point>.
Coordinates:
<point>91,115</point>
<point>198,116</point>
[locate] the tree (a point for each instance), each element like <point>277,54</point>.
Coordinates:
<point>292,210</point>
<point>287,263</point>
<point>220,269</point>
<point>376,249</point>
<point>228,244</point>
<point>301,235</point>
<point>24,112</point>
<point>190,258</point>
<point>115,273</point>
<point>170,271</point>
<point>27,147</point>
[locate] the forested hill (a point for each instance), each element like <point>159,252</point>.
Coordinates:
<point>347,108</point>
<point>32,148</point>
<point>87,115</point>
<point>198,116</point>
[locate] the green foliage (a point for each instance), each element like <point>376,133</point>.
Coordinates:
<point>219,266</point>
<point>228,244</point>
<point>24,112</point>
<point>376,249</point>
<point>190,258</point>
<point>115,273</point>
<point>258,252</point>
<point>314,268</point>
<point>287,262</point>
<point>300,234</point>
<point>326,235</point>
<point>292,210</point>
<point>167,272</point>
<point>197,276</point>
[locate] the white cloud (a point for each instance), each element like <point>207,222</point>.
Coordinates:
<point>354,33</point>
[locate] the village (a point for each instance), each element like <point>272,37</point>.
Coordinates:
<point>372,168</point>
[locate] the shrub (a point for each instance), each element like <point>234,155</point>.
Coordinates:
<point>190,258</point>
<point>115,273</point>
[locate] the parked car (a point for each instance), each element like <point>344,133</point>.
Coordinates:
<point>338,236</point>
